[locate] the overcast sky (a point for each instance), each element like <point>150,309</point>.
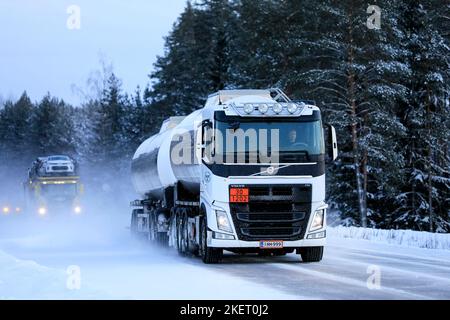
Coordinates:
<point>40,53</point>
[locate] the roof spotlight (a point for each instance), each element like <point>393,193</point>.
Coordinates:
<point>248,108</point>
<point>263,108</point>
<point>277,108</point>
<point>292,107</point>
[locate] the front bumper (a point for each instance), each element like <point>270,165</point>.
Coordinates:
<point>216,243</point>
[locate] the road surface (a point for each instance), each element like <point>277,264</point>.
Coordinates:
<point>38,258</point>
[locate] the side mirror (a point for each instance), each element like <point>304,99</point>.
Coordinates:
<point>331,143</point>
<point>205,144</point>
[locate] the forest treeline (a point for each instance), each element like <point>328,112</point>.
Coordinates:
<point>385,89</point>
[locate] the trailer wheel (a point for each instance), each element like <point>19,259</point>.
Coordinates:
<point>181,229</point>
<point>209,255</point>
<point>162,239</point>
<point>311,254</point>
<point>134,220</point>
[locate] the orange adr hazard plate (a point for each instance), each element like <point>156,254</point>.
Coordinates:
<point>238,194</point>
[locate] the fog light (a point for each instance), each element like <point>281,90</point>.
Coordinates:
<point>222,236</point>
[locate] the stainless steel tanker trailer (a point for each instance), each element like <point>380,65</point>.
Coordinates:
<point>245,174</point>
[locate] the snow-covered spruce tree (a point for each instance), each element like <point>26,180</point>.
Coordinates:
<point>264,44</point>
<point>15,128</point>
<point>195,61</point>
<point>424,202</point>
<point>52,129</point>
<point>110,141</point>
<point>354,79</point>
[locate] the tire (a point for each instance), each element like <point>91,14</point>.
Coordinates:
<point>159,238</point>
<point>133,225</point>
<point>181,239</point>
<point>134,219</point>
<point>162,239</point>
<point>312,254</point>
<point>209,255</point>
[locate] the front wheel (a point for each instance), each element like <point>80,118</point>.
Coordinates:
<point>311,254</point>
<point>209,255</point>
<point>134,221</point>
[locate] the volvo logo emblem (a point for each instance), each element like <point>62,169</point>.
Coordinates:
<point>270,170</point>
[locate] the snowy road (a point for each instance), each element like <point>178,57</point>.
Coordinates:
<point>34,260</point>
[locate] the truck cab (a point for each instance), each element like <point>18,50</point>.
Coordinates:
<point>268,193</point>
<point>53,188</point>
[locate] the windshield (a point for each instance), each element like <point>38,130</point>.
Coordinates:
<point>59,190</point>
<point>287,141</point>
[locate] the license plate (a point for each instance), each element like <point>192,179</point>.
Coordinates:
<point>271,244</point>
<point>238,195</point>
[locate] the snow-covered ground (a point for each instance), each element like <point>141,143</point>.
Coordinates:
<point>406,238</point>
<point>35,257</point>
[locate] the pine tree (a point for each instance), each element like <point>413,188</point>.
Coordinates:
<point>52,129</point>
<point>423,204</point>
<point>196,59</point>
<point>15,127</point>
<point>109,141</point>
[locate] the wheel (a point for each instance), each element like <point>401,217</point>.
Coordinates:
<point>134,225</point>
<point>312,254</point>
<point>181,230</point>
<point>151,228</point>
<point>209,255</point>
<point>162,239</point>
<point>134,220</point>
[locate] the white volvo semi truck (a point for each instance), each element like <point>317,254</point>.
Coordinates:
<point>246,174</point>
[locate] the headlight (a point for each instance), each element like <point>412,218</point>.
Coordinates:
<point>222,221</point>
<point>318,220</point>
<point>77,209</point>
<point>42,211</point>
<point>5,210</point>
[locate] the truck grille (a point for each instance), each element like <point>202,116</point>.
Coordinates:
<point>273,212</point>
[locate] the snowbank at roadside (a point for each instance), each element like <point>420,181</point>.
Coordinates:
<point>407,238</point>
<point>23,279</point>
